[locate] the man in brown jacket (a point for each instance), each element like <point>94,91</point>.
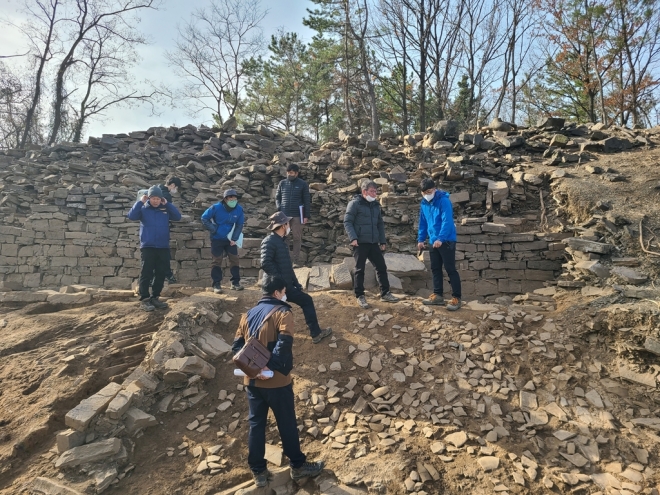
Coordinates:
<point>271,321</point>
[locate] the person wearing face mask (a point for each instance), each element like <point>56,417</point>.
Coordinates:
<point>276,262</point>
<point>292,196</point>
<point>172,186</point>
<point>271,322</point>
<point>366,233</point>
<point>154,213</point>
<point>221,219</point>
<point>436,223</point>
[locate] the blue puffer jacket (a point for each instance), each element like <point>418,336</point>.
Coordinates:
<point>219,220</point>
<point>154,223</point>
<point>436,219</point>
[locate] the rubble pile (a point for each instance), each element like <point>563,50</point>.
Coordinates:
<point>64,206</point>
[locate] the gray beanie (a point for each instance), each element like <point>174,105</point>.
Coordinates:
<point>154,191</point>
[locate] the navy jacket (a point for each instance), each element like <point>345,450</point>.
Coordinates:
<point>276,260</point>
<point>154,223</point>
<point>219,220</point>
<point>363,221</point>
<point>291,195</point>
<point>436,219</point>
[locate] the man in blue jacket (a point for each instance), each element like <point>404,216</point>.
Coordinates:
<point>436,223</point>
<point>292,196</point>
<point>154,213</point>
<point>221,219</point>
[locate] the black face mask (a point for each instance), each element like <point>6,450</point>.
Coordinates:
<point>291,178</point>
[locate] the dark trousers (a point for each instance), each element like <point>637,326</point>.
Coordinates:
<point>219,249</point>
<point>306,303</point>
<point>155,264</point>
<point>373,253</point>
<point>280,400</point>
<point>445,256</point>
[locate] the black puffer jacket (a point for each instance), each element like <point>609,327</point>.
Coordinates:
<point>363,221</point>
<point>291,194</point>
<point>275,260</point>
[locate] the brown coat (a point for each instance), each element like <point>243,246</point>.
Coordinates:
<point>278,322</point>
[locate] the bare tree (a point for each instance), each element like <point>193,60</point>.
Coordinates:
<point>360,37</point>
<point>103,76</point>
<point>40,33</point>
<point>91,17</point>
<point>210,53</point>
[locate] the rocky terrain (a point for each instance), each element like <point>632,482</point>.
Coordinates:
<point>545,382</point>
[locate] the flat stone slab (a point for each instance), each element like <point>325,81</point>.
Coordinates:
<point>457,439</point>
<point>587,246</point>
<point>25,296</point>
<point>319,278</point>
<point>489,462</point>
<point>77,298</point>
<point>46,486</point>
<point>89,453</point>
<point>341,276</point>
<point>576,459</point>
<point>80,416</point>
<point>212,344</point>
<point>629,275</point>
<point>137,419</point>
<point>404,265</point>
<point>192,365</point>
<point>528,401</point>
<point>119,405</point>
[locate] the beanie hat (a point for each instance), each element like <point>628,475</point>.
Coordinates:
<point>154,191</point>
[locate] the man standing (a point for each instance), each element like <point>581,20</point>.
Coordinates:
<point>271,322</point>
<point>436,223</point>
<point>292,194</point>
<point>154,213</point>
<point>276,262</point>
<point>366,232</point>
<point>172,185</point>
<point>221,219</point>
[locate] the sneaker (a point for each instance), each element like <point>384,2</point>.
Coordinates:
<point>236,286</point>
<point>389,297</point>
<point>307,470</point>
<point>145,305</point>
<point>324,333</point>
<point>454,304</point>
<point>158,304</point>
<point>261,479</point>
<point>217,289</point>
<point>362,302</point>
<point>434,300</point>
<point>171,279</point>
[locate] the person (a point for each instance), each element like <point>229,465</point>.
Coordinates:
<point>271,322</point>
<point>172,185</point>
<point>436,223</point>
<point>366,233</point>
<point>292,193</point>
<point>275,261</point>
<point>154,213</point>
<point>221,219</point>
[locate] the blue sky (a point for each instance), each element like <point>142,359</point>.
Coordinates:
<point>160,28</point>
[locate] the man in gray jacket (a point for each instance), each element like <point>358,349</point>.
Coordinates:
<point>294,201</point>
<point>366,232</point>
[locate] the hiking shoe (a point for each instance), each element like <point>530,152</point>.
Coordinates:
<point>362,302</point>
<point>389,297</point>
<point>307,470</point>
<point>145,305</point>
<point>171,279</point>
<point>434,300</point>
<point>158,304</point>
<point>324,333</point>
<point>217,289</point>
<point>261,479</point>
<point>454,304</point>
<point>236,286</point>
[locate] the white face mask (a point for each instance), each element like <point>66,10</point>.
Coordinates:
<point>288,230</point>
<point>174,190</point>
<point>428,197</point>
<point>371,199</point>
<point>283,298</point>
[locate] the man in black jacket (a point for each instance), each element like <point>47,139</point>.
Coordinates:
<point>366,232</point>
<point>275,261</point>
<point>292,195</point>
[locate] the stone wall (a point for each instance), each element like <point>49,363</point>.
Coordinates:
<point>64,207</point>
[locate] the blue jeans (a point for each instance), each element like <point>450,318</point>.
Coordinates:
<point>445,256</point>
<point>306,303</point>
<point>280,400</point>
